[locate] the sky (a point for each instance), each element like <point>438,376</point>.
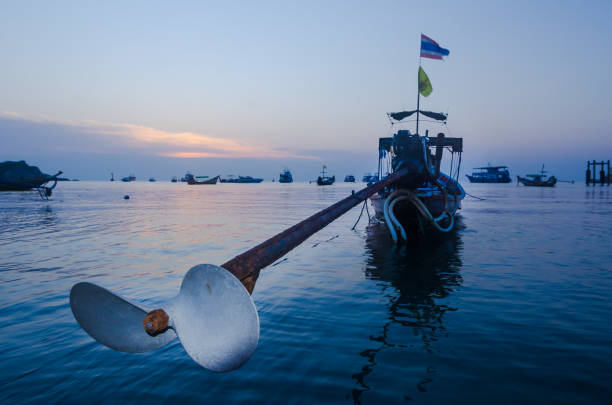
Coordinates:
<point>160,88</point>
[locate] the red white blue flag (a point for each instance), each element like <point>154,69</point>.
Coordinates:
<point>431,49</point>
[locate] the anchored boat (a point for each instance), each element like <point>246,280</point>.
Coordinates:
<point>213,314</point>
<point>241,179</point>
<point>490,174</point>
<point>426,198</point>
<point>537,180</point>
<point>285,176</point>
<point>324,180</point>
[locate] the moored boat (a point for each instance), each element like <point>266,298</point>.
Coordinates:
<point>241,179</point>
<point>427,198</point>
<point>285,176</point>
<point>490,174</point>
<point>214,315</point>
<point>537,180</point>
<point>324,180</point>
<point>349,178</point>
<point>129,178</point>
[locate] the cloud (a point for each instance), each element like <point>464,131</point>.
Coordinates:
<point>102,137</point>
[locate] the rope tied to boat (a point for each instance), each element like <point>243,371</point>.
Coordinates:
<point>400,195</point>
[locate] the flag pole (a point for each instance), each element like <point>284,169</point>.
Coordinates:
<point>418,91</point>
<point>418,99</point>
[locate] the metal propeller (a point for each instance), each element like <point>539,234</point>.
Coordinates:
<point>213,315</point>
<point>112,320</point>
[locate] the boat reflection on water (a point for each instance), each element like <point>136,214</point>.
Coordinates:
<point>416,279</point>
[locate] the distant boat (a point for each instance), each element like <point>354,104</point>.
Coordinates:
<point>285,176</point>
<point>174,179</point>
<point>241,179</point>
<point>537,180</point>
<point>212,180</point>
<point>187,177</point>
<point>324,180</point>
<point>131,177</point>
<point>370,178</point>
<point>490,174</point>
<point>151,179</point>
<point>349,178</point>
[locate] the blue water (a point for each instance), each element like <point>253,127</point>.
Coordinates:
<point>513,307</point>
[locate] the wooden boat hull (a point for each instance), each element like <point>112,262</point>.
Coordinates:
<point>18,187</point>
<point>432,198</point>
<point>242,180</point>
<point>326,181</point>
<point>533,183</point>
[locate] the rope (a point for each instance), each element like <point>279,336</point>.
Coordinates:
<point>361,213</point>
<point>473,196</point>
<point>394,219</point>
<point>388,221</point>
<point>421,208</point>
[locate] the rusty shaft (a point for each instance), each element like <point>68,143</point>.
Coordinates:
<point>246,267</point>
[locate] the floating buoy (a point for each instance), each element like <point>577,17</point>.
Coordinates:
<point>126,197</point>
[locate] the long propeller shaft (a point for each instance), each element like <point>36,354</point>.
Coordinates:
<point>246,266</point>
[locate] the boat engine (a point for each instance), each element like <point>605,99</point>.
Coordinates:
<point>410,152</point>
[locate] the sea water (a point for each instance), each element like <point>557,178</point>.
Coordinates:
<point>514,306</point>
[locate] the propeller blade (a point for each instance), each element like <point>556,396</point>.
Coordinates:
<point>215,318</point>
<point>113,321</point>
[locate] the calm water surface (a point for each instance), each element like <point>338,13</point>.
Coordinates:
<point>515,306</point>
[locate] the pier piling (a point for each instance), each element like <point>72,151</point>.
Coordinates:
<point>604,175</point>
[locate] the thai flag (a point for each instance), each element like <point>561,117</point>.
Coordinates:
<point>431,49</point>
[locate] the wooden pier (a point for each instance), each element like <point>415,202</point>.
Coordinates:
<point>591,175</point>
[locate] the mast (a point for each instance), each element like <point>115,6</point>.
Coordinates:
<point>418,91</point>
<point>418,102</point>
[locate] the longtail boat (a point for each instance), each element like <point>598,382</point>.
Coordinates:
<point>214,315</point>
<point>425,200</point>
<point>19,176</point>
<point>324,180</point>
<point>537,180</point>
<point>241,179</point>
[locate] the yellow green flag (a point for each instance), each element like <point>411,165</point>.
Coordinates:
<point>424,83</point>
